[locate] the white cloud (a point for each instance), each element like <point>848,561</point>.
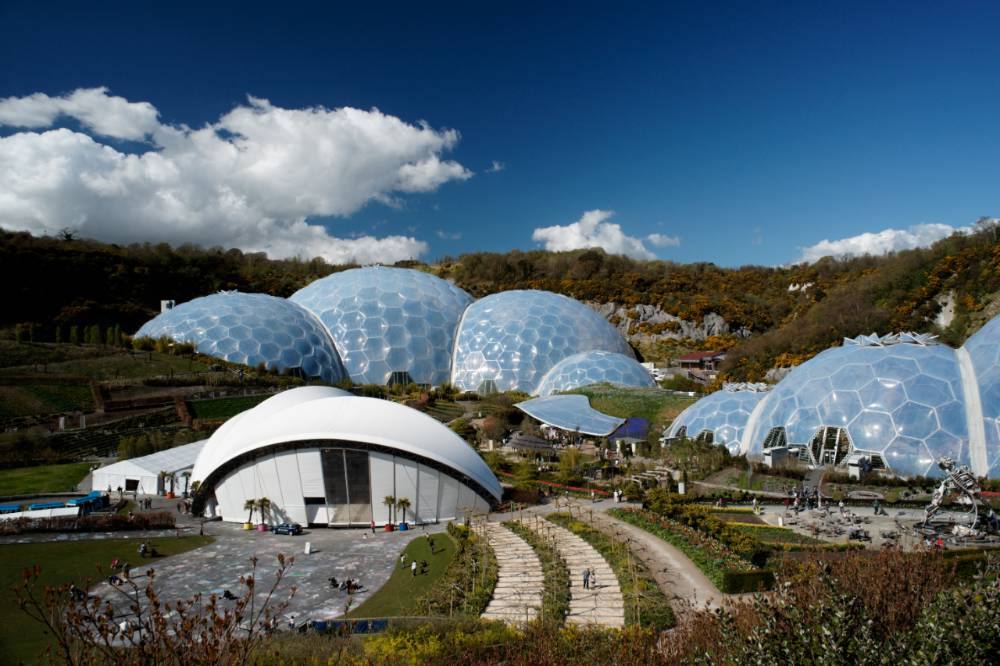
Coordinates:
<point>496,167</point>
<point>94,108</point>
<point>592,230</point>
<point>881,242</point>
<point>662,240</point>
<point>449,235</point>
<point>251,180</point>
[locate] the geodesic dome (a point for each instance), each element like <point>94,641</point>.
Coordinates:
<point>594,367</point>
<point>251,329</point>
<point>722,415</point>
<point>983,350</point>
<point>899,402</point>
<point>388,321</point>
<point>511,339</point>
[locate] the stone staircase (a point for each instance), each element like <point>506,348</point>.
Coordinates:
<point>601,604</point>
<point>517,597</point>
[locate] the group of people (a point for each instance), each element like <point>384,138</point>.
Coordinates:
<point>589,579</point>
<point>146,550</point>
<point>121,571</point>
<point>802,499</point>
<point>350,585</point>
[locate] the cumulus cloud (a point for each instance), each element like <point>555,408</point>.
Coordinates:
<point>592,230</point>
<point>662,240</point>
<point>94,108</point>
<point>252,179</point>
<point>496,167</point>
<point>881,242</point>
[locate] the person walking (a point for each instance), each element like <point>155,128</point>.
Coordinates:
<point>593,579</point>
<point>413,568</point>
<point>586,579</point>
<point>373,527</point>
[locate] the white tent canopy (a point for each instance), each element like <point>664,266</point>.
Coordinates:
<point>142,474</point>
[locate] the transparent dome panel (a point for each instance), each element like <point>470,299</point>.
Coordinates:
<point>388,320</point>
<point>513,338</point>
<point>251,329</point>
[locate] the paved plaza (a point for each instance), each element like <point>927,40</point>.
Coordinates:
<point>355,553</point>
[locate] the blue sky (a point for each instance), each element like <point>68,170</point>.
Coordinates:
<point>739,132</point>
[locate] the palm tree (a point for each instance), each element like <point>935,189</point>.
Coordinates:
<point>390,501</point>
<point>264,504</point>
<point>404,504</point>
<point>251,506</point>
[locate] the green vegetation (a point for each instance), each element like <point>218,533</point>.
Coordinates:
<point>711,556</point>
<point>645,603</point>
<point>61,563</point>
<point>224,408</point>
<point>776,536</point>
<point>30,399</point>
<point>42,478</point>
<point>119,364</point>
<point>555,595</point>
<point>398,597</point>
<point>658,406</point>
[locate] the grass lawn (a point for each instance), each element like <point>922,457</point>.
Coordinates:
<point>61,563</point>
<point>659,406</point>
<point>396,597</point>
<point>224,408</point>
<point>42,478</point>
<point>777,535</point>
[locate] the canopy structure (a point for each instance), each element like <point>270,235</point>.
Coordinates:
<point>571,413</point>
<point>142,474</point>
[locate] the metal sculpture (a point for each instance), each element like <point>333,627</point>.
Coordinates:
<point>979,518</point>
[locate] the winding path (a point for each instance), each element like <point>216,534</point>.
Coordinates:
<point>517,596</point>
<point>678,577</point>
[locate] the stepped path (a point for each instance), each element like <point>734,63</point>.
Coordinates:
<point>518,593</point>
<point>599,604</point>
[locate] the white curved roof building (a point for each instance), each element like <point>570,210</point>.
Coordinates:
<point>325,457</point>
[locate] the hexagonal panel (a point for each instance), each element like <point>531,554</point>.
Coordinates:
<point>386,320</point>
<point>882,394</point>
<point>251,329</point>
<point>562,326</point>
<point>723,413</point>
<point>594,367</point>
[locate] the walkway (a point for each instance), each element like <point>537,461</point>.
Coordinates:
<point>517,596</point>
<point>601,603</point>
<point>683,583</point>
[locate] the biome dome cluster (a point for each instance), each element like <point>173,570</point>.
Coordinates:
<point>901,402</point>
<point>380,325</point>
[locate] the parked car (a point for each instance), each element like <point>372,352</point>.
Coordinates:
<point>288,528</point>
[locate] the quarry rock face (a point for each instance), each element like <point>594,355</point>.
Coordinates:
<point>649,323</point>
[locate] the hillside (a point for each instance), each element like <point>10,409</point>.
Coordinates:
<point>765,316</point>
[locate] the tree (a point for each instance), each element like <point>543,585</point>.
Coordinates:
<point>251,506</point>
<point>74,335</point>
<point>390,501</point>
<point>265,508</point>
<point>133,626</point>
<point>404,504</point>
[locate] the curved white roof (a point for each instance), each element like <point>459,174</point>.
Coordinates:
<point>314,412</point>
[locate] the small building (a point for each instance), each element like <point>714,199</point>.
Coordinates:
<point>701,360</point>
<point>142,475</point>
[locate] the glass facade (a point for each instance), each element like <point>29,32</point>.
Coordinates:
<point>723,414</point>
<point>388,322</point>
<point>513,338</point>
<point>594,367</point>
<point>984,352</point>
<point>251,329</point>
<point>901,403</point>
